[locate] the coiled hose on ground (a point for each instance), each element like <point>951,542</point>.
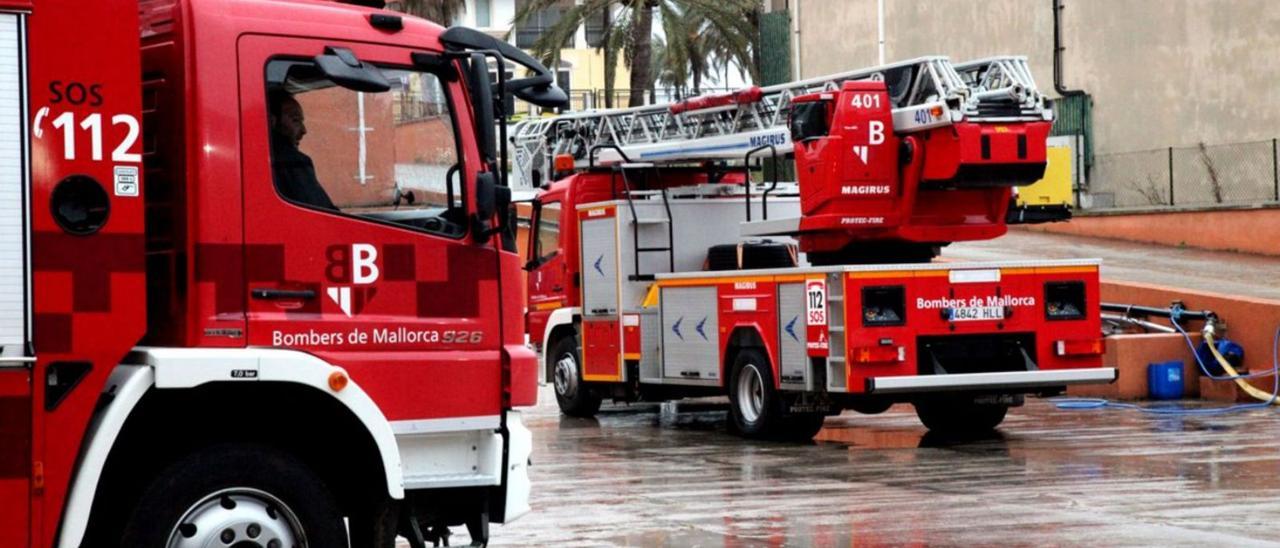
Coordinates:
<point>1265,399</point>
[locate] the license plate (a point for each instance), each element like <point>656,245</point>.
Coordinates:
<point>977,313</point>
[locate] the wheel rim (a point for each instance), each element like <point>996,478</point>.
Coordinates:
<point>750,393</point>
<point>240,517</point>
<point>566,375</point>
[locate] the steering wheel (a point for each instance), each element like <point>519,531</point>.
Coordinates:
<point>433,224</point>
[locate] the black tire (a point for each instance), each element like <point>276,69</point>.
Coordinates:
<point>754,409</point>
<point>375,525</point>
<point>258,484</point>
<point>754,255</point>
<point>959,416</point>
<point>876,253</point>
<point>722,257</point>
<point>574,397</point>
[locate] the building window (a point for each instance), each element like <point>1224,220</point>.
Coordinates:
<point>539,22</point>
<point>483,11</point>
<point>595,28</point>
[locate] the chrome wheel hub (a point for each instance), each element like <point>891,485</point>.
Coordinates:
<point>240,517</point>
<point>566,376</point>
<point>750,393</point>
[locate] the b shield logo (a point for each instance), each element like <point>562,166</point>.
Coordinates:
<point>341,296</point>
<point>352,269</point>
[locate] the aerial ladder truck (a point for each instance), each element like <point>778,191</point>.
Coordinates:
<point>659,269</point>
<point>256,287</point>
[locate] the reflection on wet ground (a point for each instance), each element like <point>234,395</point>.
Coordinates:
<point>1048,477</point>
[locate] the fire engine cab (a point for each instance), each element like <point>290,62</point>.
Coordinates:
<point>659,270</point>
<point>255,291</point>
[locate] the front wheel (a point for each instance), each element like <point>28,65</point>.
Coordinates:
<point>236,495</point>
<point>946,415</point>
<point>572,395</point>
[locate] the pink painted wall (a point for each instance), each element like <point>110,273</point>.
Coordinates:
<point>1246,230</point>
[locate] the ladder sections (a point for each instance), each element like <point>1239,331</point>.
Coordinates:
<point>925,93</point>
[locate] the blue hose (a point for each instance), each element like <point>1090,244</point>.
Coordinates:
<point>1099,403</point>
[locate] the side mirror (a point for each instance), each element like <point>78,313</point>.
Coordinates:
<point>486,205</point>
<point>342,67</point>
<point>542,95</point>
<point>538,89</point>
<point>482,102</point>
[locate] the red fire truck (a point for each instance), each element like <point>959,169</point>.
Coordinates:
<point>649,278</point>
<point>255,291</point>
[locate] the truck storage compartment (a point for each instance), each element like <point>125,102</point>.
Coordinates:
<point>953,354</point>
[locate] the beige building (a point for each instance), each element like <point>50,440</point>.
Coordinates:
<point>1162,73</point>
<point>581,65</point>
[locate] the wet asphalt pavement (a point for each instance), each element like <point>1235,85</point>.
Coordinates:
<point>1048,477</point>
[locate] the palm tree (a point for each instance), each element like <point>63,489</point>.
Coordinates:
<point>629,30</point>
<point>669,67</point>
<point>442,12</point>
<point>711,49</point>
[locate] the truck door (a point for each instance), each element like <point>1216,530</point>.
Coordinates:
<point>357,249</point>
<point>547,268</point>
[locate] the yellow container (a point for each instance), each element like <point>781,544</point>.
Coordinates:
<point>1055,188</point>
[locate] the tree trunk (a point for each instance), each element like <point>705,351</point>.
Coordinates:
<point>753,17</point>
<point>610,74</point>
<point>642,42</point>
<point>696,66</point>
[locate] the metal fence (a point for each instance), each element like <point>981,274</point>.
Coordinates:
<point>1073,116</point>
<point>775,48</point>
<point>1203,175</point>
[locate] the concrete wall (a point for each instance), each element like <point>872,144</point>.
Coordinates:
<point>1162,73</point>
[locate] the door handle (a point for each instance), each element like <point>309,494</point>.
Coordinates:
<point>557,288</point>
<point>283,294</point>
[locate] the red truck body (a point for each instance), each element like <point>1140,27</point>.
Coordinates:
<point>629,297</point>
<point>170,289</point>
<point>860,182</point>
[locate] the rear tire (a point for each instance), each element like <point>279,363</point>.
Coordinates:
<point>573,396</point>
<point>959,415</point>
<point>755,407</point>
<point>244,493</point>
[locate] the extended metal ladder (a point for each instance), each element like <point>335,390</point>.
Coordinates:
<point>724,127</point>
<point>1002,86</point>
